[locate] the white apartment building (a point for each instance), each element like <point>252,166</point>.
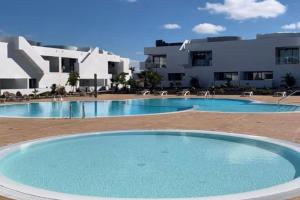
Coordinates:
<point>260,62</point>
<point>25,65</point>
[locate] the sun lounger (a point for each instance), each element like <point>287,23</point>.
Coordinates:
<point>144,92</point>
<point>161,93</point>
<point>183,93</point>
<point>280,94</point>
<point>247,93</point>
<point>203,93</point>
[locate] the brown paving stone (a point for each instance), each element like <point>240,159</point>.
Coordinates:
<point>281,126</point>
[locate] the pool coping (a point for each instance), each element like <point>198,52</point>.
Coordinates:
<point>153,114</point>
<point>12,189</point>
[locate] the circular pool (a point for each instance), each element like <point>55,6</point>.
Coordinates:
<point>93,109</point>
<point>152,165</point>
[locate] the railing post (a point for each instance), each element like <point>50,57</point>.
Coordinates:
<point>83,111</point>
<point>70,110</point>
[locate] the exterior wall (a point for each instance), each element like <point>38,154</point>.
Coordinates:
<point>20,60</point>
<point>230,56</point>
<point>8,67</point>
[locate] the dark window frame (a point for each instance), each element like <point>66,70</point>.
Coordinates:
<point>202,58</point>
<point>175,76</point>
<point>261,75</point>
<point>71,67</point>
<point>282,57</point>
<point>162,61</point>
<point>32,83</point>
<point>221,76</point>
<point>53,67</point>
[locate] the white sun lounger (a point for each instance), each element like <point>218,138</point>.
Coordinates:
<point>183,93</point>
<point>280,94</point>
<point>144,92</point>
<point>203,93</point>
<point>248,93</point>
<point>161,93</point>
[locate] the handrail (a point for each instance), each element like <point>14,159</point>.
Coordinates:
<point>183,46</point>
<point>86,56</point>
<point>283,98</point>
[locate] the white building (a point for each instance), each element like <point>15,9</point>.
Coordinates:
<point>260,62</point>
<point>25,65</point>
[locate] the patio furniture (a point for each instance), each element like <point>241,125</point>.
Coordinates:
<point>203,93</point>
<point>144,92</point>
<point>184,92</point>
<point>247,93</point>
<point>161,93</point>
<point>280,94</point>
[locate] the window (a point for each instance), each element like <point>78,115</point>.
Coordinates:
<point>258,76</point>
<point>160,61</point>
<point>287,55</point>
<point>225,76</point>
<point>202,58</point>
<point>175,76</point>
<point>68,65</point>
<point>90,82</point>
<point>112,68</point>
<point>53,63</point>
<point>32,83</point>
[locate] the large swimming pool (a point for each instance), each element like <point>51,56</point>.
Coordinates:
<point>90,109</point>
<point>152,164</point>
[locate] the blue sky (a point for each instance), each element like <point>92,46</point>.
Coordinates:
<point>125,27</point>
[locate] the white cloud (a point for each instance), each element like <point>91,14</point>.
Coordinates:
<point>171,26</point>
<point>247,9</point>
<point>293,26</point>
<point>207,28</point>
<point>131,1</point>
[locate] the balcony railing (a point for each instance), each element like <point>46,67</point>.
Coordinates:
<point>288,60</point>
<point>151,65</point>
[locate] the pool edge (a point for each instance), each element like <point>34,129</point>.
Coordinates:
<point>23,192</point>
<point>159,113</point>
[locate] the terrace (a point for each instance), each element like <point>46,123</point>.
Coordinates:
<point>276,125</point>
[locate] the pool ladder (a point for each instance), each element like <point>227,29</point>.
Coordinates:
<point>283,98</point>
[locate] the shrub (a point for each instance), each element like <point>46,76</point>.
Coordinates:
<point>18,94</point>
<point>195,82</point>
<point>61,90</point>
<point>289,80</point>
<point>53,88</point>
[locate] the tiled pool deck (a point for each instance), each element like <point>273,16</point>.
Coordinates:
<point>284,126</point>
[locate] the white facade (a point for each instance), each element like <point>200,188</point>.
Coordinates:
<point>261,62</point>
<point>25,65</point>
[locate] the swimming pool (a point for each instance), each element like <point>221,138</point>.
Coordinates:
<point>152,165</point>
<point>94,109</point>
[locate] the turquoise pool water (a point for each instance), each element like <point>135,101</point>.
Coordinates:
<point>156,164</point>
<point>136,107</point>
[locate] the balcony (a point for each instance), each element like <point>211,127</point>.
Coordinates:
<point>288,60</point>
<point>155,62</point>
<point>155,65</point>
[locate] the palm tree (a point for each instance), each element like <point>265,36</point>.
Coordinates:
<point>151,79</point>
